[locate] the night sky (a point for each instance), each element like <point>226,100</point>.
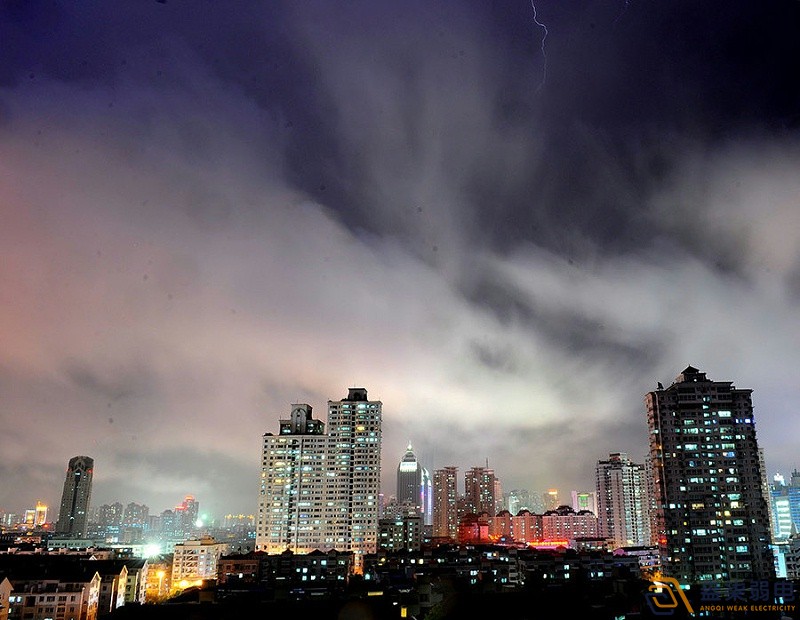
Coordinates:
<point>508,222</point>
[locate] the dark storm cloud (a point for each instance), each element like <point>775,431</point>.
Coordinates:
<point>112,384</point>
<point>562,327</point>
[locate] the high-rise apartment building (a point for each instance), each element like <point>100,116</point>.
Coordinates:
<point>445,503</point>
<point>318,490</point>
<point>354,426</point>
<point>479,489</point>
<point>622,501</point>
<point>711,514</point>
<point>74,511</point>
<point>551,499</point>
<point>186,516</point>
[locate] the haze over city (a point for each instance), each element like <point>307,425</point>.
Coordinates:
<point>506,222</point>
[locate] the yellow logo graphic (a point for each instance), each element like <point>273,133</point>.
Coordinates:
<point>662,597</point>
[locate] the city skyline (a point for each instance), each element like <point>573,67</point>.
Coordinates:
<point>507,227</point>
<point>563,496</point>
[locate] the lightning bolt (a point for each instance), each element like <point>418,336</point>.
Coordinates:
<point>543,48</point>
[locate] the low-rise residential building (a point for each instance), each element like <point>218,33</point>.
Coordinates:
<point>195,561</point>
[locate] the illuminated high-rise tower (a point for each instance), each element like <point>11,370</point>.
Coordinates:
<point>321,491</point>
<point>445,503</point>
<point>292,511</point>
<point>479,489</point>
<point>354,427</point>
<point>622,501</point>
<point>409,480</point>
<point>414,485</point>
<point>75,497</point>
<point>711,514</point>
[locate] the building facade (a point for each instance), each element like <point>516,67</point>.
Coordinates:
<point>196,560</point>
<point>414,486</point>
<point>445,503</point>
<point>622,501</point>
<point>479,491</point>
<point>711,515</point>
<point>74,511</point>
<point>785,506</point>
<point>319,491</point>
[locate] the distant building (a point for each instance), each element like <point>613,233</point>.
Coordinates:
<point>39,515</point>
<point>414,485</point>
<point>74,512</point>
<point>401,533</point>
<point>711,513</point>
<point>479,490</point>
<point>584,500</point>
<point>551,499</point>
<point>518,499</point>
<point>186,516</point>
<point>785,506</point>
<point>564,523</point>
<point>445,503</point>
<point>622,501</point>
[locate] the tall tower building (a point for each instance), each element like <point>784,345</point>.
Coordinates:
<point>711,514</point>
<point>321,491</point>
<point>414,485</point>
<point>74,511</point>
<point>354,426</point>
<point>445,503</point>
<point>292,511</point>
<point>479,489</point>
<point>622,501</point>
<point>409,480</point>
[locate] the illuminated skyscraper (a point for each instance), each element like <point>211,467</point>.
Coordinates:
<point>445,503</point>
<point>409,480</point>
<point>320,491</point>
<point>186,516</point>
<point>40,512</point>
<point>711,514</point>
<point>75,497</point>
<point>479,489</point>
<point>354,426</point>
<point>622,501</point>
<point>551,499</point>
<point>414,485</point>
<point>293,511</point>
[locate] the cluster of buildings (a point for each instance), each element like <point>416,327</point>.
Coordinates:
<point>701,497</point>
<point>699,509</point>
